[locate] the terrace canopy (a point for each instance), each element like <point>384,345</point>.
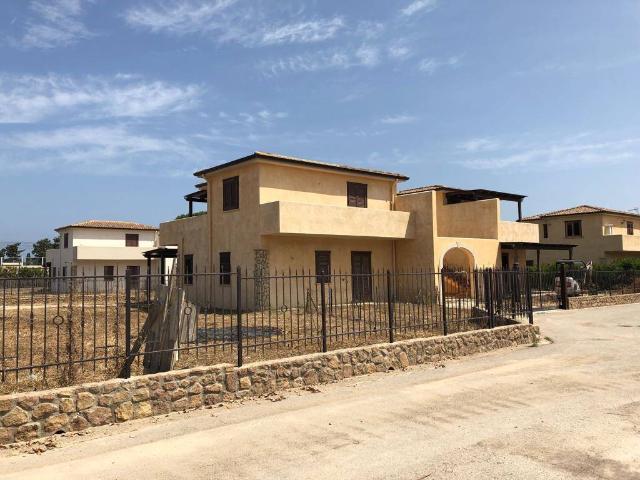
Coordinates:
<point>538,247</point>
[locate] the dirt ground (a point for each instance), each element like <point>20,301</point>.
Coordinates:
<point>566,409</point>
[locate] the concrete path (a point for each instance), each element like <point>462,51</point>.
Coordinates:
<point>570,409</point>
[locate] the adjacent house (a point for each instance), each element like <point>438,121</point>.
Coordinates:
<point>102,248</point>
<point>271,213</point>
<point>600,234</point>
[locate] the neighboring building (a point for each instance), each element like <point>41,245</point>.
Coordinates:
<point>271,213</point>
<point>103,248</point>
<point>600,234</point>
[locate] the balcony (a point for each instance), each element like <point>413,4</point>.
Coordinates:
<point>622,243</point>
<point>288,218</point>
<point>109,253</point>
<point>518,232</point>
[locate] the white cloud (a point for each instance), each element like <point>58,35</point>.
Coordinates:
<point>262,117</point>
<point>303,32</point>
<point>398,119</point>
<point>575,151</point>
<point>178,17</point>
<point>431,65</point>
<point>479,145</point>
<point>399,52</point>
<point>229,21</point>
<point>339,59</point>
<point>101,150</point>
<point>54,23</point>
<point>27,99</point>
<point>419,6</point>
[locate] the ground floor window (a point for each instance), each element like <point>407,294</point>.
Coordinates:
<point>188,269</point>
<point>225,268</point>
<point>109,273</point>
<point>134,271</point>
<point>64,271</point>
<point>323,266</point>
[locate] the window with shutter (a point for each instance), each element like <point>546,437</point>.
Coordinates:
<point>323,266</point>
<point>231,193</point>
<point>357,194</point>
<point>225,268</point>
<point>132,239</point>
<point>573,228</point>
<point>108,273</point>
<point>629,228</point>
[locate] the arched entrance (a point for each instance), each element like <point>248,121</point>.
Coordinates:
<point>459,263</point>
<point>458,259</point>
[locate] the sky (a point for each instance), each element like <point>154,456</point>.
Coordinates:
<point>107,107</point>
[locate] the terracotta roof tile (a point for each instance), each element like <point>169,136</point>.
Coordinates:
<point>114,224</point>
<point>579,210</point>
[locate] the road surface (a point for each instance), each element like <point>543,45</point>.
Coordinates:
<point>567,409</point>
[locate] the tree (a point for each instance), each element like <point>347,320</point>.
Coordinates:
<point>11,251</point>
<point>41,246</point>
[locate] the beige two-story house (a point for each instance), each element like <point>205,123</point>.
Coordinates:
<point>270,213</point>
<point>600,234</point>
<point>106,249</point>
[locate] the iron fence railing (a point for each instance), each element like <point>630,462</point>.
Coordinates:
<point>64,330</point>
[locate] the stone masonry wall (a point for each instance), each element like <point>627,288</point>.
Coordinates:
<point>26,416</point>
<point>588,301</point>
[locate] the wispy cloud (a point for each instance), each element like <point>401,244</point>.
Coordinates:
<point>363,56</point>
<point>27,99</point>
<point>475,145</point>
<point>230,21</point>
<point>303,32</point>
<point>432,65</point>
<point>418,6</point>
<point>101,150</point>
<point>576,151</point>
<point>398,119</point>
<point>54,23</point>
<point>399,52</point>
<point>262,117</point>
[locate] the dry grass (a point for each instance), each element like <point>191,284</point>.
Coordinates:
<point>47,341</point>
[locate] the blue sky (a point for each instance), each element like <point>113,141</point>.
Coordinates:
<point>107,107</point>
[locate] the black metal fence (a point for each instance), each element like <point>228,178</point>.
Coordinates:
<point>549,291</point>
<point>94,329</point>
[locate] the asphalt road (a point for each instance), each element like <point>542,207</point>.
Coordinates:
<point>567,409</point>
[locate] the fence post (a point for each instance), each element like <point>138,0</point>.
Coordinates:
<point>492,298</point>
<point>324,312</point>
<point>529,294</point>
<point>390,304</point>
<point>445,328</point>
<point>126,370</point>
<point>564,304</point>
<point>239,313</point>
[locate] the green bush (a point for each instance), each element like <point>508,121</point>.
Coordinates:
<point>13,272</point>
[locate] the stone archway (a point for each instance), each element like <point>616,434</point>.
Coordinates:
<point>458,259</point>
<point>460,262</point>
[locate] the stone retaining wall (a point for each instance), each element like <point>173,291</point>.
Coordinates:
<point>588,301</point>
<point>26,416</point>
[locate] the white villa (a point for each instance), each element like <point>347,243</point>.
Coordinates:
<point>102,248</point>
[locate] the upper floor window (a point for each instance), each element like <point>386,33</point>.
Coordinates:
<point>357,194</point>
<point>573,228</point>
<point>629,228</point>
<point>323,266</point>
<point>545,230</point>
<point>231,193</point>
<point>188,269</point>
<point>132,239</point>
<point>608,229</point>
<point>66,240</point>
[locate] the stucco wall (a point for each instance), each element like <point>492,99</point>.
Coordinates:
<point>417,252</point>
<point>468,220</point>
<point>317,186</point>
<point>191,236</point>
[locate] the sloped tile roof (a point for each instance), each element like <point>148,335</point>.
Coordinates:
<point>113,224</point>
<point>579,210</point>
<point>302,161</point>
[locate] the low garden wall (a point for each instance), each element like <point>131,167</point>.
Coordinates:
<point>588,301</point>
<point>27,416</point>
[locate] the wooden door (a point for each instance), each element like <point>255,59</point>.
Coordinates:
<point>361,276</point>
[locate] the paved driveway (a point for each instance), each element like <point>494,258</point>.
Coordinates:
<point>570,409</point>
